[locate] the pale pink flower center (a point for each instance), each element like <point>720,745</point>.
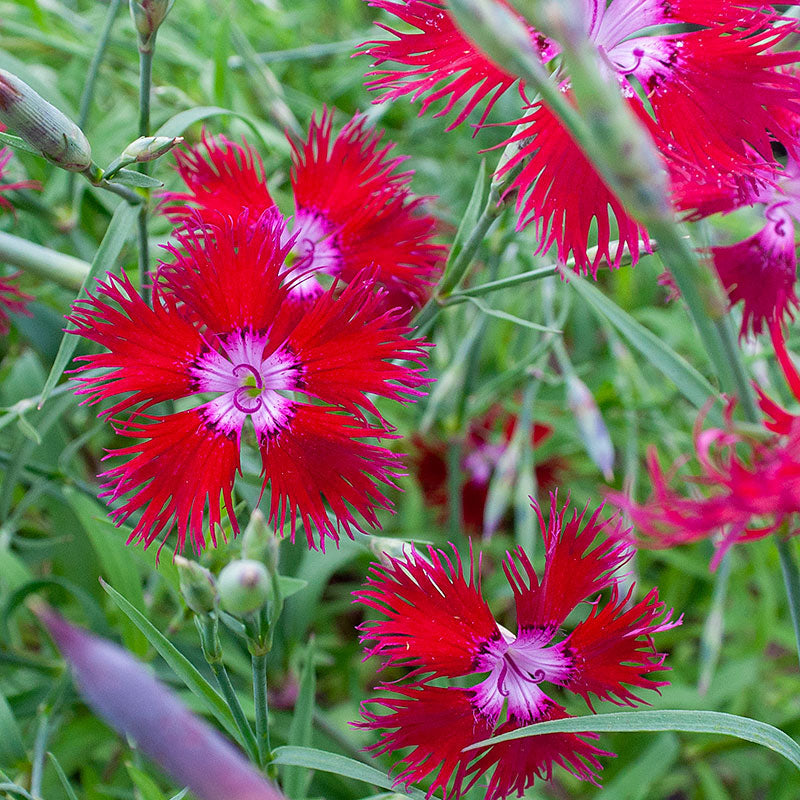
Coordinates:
<point>314,252</point>
<point>516,666</point>
<point>249,383</point>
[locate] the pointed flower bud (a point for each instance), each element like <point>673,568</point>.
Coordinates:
<point>259,542</point>
<point>42,125</point>
<point>198,587</point>
<point>147,17</point>
<point>591,426</point>
<point>386,549</point>
<point>244,587</point>
<point>188,749</point>
<point>149,148</point>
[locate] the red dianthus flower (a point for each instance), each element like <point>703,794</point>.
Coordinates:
<point>222,341</point>
<point>715,98</point>
<point>353,209</point>
<point>435,621</point>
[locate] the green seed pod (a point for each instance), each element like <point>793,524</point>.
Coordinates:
<point>198,587</point>
<point>244,587</point>
<point>42,125</point>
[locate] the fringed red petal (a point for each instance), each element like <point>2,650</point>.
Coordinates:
<point>439,62</point>
<point>435,618</point>
<point>149,353</point>
<point>178,472</point>
<point>319,459</point>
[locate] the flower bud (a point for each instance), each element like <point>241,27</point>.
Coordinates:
<point>147,17</point>
<point>149,148</point>
<point>386,548</point>
<point>591,426</point>
<point>198,587</point>
<point>259,542</point>
<point>244,587</point>
<point>42,125</point>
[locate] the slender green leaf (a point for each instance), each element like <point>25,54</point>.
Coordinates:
<point>148,788</point>
<point>312,758</point>
<point>116,234</point>
<point>494,312</point>
<point>137,179</point>
<point>691,384</point>
<point>114,557</point>
<point>295,779</point>
<point>290,586</point>
<point>471,214</point>
<point>750,730</point>
<point>70,792</point>
<point>18,144</point>
<point>180,665</point>
<point>177,125</point>
<point>12,748</point>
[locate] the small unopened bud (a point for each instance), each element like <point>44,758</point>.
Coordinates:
<point>591,426</point>
<point>386,548</point>
<point>147,17</point>
<point>259,542</point>
<point>244,587</point>
<point>149,148</point>
<point>198,587</point>
<point>42,125</point>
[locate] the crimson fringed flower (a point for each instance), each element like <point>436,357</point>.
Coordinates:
<point>715,99</point>
<point>353,209</point>
<point>435,622</point>
<point>753,481</point>
<point>223,343</point>
<point>761,270</point>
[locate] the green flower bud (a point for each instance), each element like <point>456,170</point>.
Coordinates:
<point>244,587</point>
<point>147,17</point>
<point>386,548</point>
<point>259,542</point>
<point>198,587</point>
<point>149,148</point>
<point>42,125</point>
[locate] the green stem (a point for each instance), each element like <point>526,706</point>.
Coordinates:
<point>94,174</point>
<point>94,64</point>
<point>744,388</point>
<point>791,580</point>
<point>262,708</point>
<point>66,271</point>
<point>92,73</point>
<point>501,283</point>
<point>144,254</point>
<point>457,269</point>
<point>39,753</point>
<point>145,90</point>
<point>454,450</point>
<point>212,650</point>
<point>145,85</point>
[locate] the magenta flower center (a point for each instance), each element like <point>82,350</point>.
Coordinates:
<point>250,381</point>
